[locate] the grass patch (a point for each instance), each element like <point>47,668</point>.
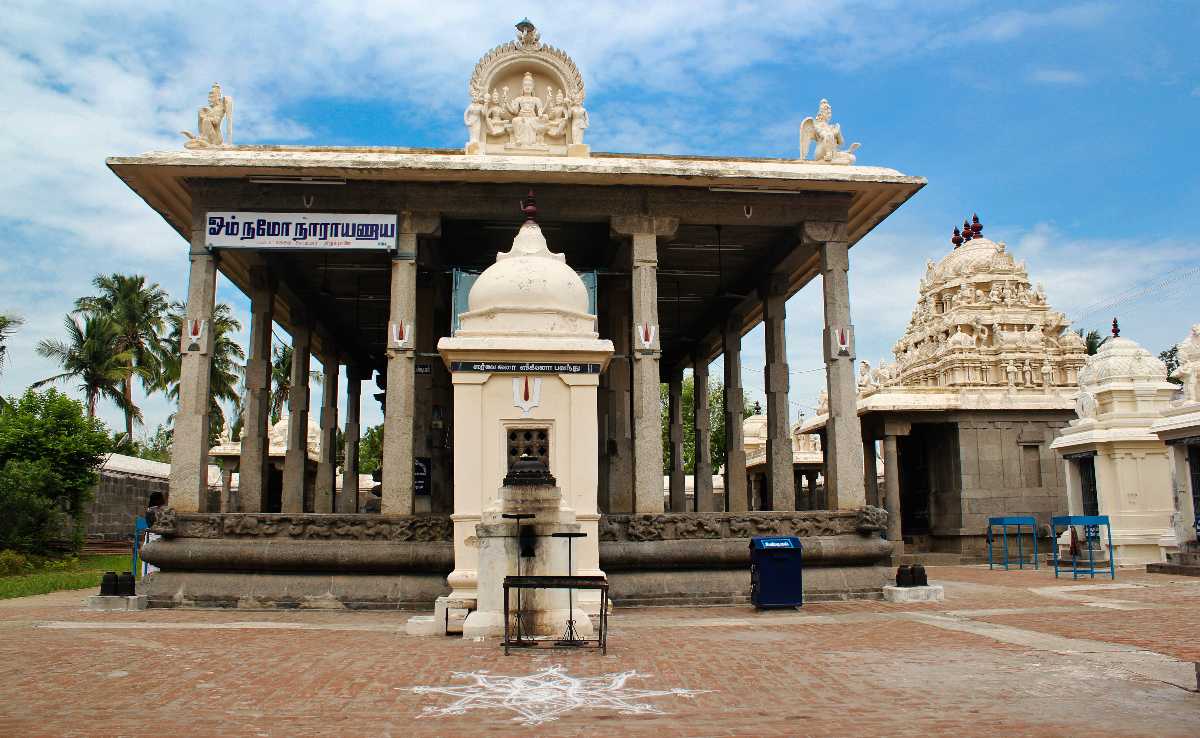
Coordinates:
<point>58,576</point>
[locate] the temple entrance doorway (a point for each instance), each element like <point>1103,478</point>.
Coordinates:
<point>914,490</point>
<point>1087,485</point>
<point>1194,470</point>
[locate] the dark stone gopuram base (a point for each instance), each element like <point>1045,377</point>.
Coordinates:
<point>704,558</point>
<point>310,561</point>
<point>252,560</point>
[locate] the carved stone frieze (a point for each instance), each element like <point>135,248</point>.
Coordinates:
<point>693,526</point>
<point>412,528</point>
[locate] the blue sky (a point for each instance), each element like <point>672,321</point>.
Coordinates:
<point>1071,128</point>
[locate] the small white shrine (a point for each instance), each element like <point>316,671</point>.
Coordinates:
<point>1179,428</point>
<point>525,364</point>
<point>1114,464</point>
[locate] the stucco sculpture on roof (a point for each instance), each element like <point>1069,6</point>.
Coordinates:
<point>979,322</point>
<point>1189,364</point>
<point>208,122</point>
<point>507,113</point>
<point>827,136</point>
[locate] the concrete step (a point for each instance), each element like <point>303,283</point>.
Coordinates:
<point>1169,568</point>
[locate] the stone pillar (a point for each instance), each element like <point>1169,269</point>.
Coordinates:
<point>702,493</point>
<point>620,450</point>
<point>870,472</point>
<point>256,417</point>
<point>813,502</point>
<point>735,450</point>
<point>401,367</point>
<point>327,460</point>
<point>891,481</point>
<point>228,503</point>
<point>678,494</point>
<point>780,491</point>
<point>189,449</point>
<point>644,231</point>
<point>844,487</point>
<point>347,501</point>
<point>295,462</point>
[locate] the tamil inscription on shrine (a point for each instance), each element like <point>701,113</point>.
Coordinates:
<point>246,230</point>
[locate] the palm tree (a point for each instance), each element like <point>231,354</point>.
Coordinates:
<point>8,326</point>
<point>92,355</point>
<point>1092,341</point>
<point>281,379</point>
<point>138,311</point>
<point>226,368</point>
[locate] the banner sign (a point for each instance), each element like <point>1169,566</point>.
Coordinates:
<point>334,231</point>
<point>524,367</point>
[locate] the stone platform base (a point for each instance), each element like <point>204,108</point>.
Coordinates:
<point>397,591</point>
<point>932,593</point>
<point>101,603</point>
<point>1184,563</point>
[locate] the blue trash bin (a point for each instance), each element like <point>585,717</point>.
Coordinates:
<point>776,572</point>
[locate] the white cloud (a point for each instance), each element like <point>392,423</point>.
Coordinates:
<point>1055,76</point>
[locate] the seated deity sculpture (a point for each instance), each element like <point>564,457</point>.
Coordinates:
<point>528,123</point>
<point>208,122</point>
<point>827,136</point>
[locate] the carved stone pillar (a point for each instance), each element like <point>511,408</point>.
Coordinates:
<point>780,491</point>
<point>870,472</point>
<point>891,482</point>
<point>678,495</point>
<point>295,462</point>
<point>814,502</point>
<point>620,445</point>
<point>735,450</point>
<point>644,232</point>
<point>256,418</point>
<point>347,501</point>
<point>844,488</point>
<point>189,449</point>
<point>401,367</point>
<point>702,490</point>
<point>327,461</point>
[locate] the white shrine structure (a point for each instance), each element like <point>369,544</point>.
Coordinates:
<point>1179,427</point>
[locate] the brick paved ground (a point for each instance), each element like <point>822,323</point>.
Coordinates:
<point>1008,653</point>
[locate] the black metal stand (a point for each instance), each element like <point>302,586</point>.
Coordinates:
<point>520,610</point>
<point>570,637</point>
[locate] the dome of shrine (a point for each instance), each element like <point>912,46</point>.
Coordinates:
<point>973,256</point>
<point>277,435</point>
<point>1122,360</point>
<point>529,290</point>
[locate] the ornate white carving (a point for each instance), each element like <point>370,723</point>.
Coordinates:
<point>827,136</point>
<point>1189,364</point>
<point>552,123</point>
<point>527,394</point>
<point>208,122</point>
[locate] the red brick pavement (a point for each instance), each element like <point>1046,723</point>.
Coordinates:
<point>863,669</point>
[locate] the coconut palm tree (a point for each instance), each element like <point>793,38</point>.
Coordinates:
<point>138,310</point>
<point>92,355</point>
<point>226,369</point>
<point>8,326</point>
<point>281,379</point>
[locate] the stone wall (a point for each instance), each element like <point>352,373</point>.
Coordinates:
<point>117,501</point>
<point>1005,467</point>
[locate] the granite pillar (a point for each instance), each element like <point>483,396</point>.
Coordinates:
<point>327,458</point>
<point>779,492</point>
<point>844,488</point>
<point>702,491</point>
<point>295,461</point>
<point>678,489</point>
<point>401,368</point>
<point>189,449</point>
<point>256,417</point>
<point>891,480</point>
<point>347,501</point>
<point>735,451</point>
<point>620,440</point>
<point>870,475</point>
<point>644,232</point>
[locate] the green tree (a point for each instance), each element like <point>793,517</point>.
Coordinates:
<point>1092,340</point>
<point>370,450</point>
<point>226,369</point>
<point>716,423</point>
<point>138,311</point>
<point>92,355</point>
<point>8,326</point>
<point>1170,357</point>
<point>50,451</point>
<point>157,447</point>
<point>281,380</point>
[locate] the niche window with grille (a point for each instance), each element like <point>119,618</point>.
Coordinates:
<point>534,442</point>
